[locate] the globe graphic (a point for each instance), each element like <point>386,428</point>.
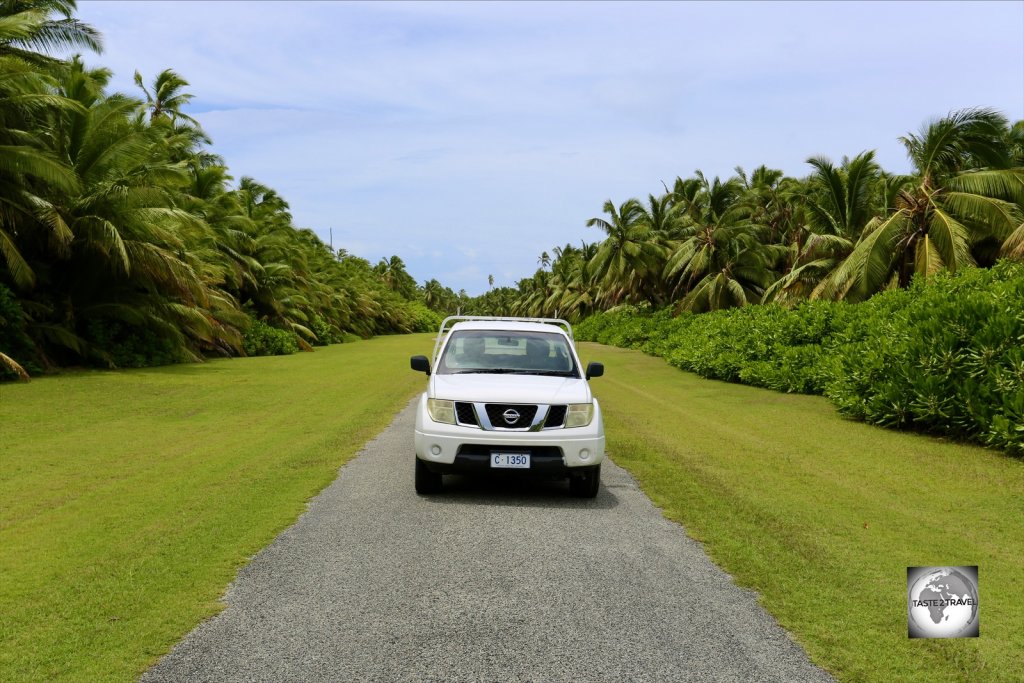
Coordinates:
<point>948,603</point>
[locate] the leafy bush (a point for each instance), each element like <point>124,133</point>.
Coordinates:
<point>324,331</point>
<point>766,346</point>
<point>944,356</point>
<point>403,316</point>
<point>951,360</point>
<point>422,319</point>
<point>130,346</point>
<point>263,340</point>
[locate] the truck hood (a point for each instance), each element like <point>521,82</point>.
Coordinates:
<point>510,389</point>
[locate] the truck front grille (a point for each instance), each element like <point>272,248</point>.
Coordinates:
<point>498,414</point>
<point>465,415</point>
<point>556,417</point>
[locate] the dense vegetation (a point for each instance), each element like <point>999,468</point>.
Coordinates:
<point>846,269</point>
<point>123,240</point>
<point>945,355</point>
<point>844,232</point>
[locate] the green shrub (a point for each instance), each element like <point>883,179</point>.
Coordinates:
<point>403,317</point>
<point>944,356</point>
<point>591,329</point>
<point>946,359</point>
<point>324,331</point>
<point>263,340</point>
<point>130,346</point>
<point>422,319</point>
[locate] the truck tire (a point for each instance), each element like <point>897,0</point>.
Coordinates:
<point>587,484</point>
<point>427,482</point>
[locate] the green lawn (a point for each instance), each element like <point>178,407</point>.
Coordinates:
<point>822,516</point>
<point>129,500</point>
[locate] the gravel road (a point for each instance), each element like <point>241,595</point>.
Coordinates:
<point>490,581</point>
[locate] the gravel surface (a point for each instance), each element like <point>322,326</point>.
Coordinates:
<point>507,580</point>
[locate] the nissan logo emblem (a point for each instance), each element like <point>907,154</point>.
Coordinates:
<point>511,416</point>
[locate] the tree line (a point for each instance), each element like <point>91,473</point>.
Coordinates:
<point>844,232</point>
<point>125,241</point>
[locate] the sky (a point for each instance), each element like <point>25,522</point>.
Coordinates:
<point>467,138</point>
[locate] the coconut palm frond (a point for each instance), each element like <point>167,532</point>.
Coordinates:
<point>14,367</point>
<point>951,240</point>
<point>1005,184</point>
<point>999,217</point>
<point>21,272</point>
<point>20,160</point>
<point>928,261</point>
<point>1013,245</point>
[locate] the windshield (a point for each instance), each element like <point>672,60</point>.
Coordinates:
<point>507,352</point>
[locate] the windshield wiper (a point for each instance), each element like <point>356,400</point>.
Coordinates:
<point>487,371</point>
<point>551,373</point>
<point>513,371</point>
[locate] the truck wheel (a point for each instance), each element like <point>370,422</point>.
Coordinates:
<point>427,482</point>
<point>587,484</point>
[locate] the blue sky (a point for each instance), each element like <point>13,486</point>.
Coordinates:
<point>469,137</point>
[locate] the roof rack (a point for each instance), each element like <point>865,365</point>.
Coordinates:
<point>450,321</point>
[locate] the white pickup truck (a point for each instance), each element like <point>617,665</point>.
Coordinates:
<point>508,395</point>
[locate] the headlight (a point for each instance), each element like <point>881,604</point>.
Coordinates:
<point>579,415</point>
<point>441,411</point>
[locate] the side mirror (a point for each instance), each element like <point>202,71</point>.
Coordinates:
<point>420,364</point>
<point>595,370</point>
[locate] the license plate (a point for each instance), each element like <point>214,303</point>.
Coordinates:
<point>511,460</point>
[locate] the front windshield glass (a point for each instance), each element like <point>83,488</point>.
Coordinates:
<point>507,352</point>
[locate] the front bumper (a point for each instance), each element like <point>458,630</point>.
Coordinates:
<point>457,448</point>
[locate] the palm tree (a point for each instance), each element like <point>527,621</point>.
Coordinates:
<point>662,214</point>
<point>734,268</point>
<point>719,262</point>
<point>392,272</point>
<point>31,175</point>
<point>627,261</point>
<point>28,29</point>
<point>133,258</point>
<point>538,291</point>
<point>839,203</point>
<point>841,200</point>
<point>168,96</point>
<point>572,287</point>
<point>435,296</point>
<point>964,193</point>
<point>769,200</point>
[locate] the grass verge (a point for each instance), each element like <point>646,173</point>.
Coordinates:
<point>822,516</point>
<point>129,500</point>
